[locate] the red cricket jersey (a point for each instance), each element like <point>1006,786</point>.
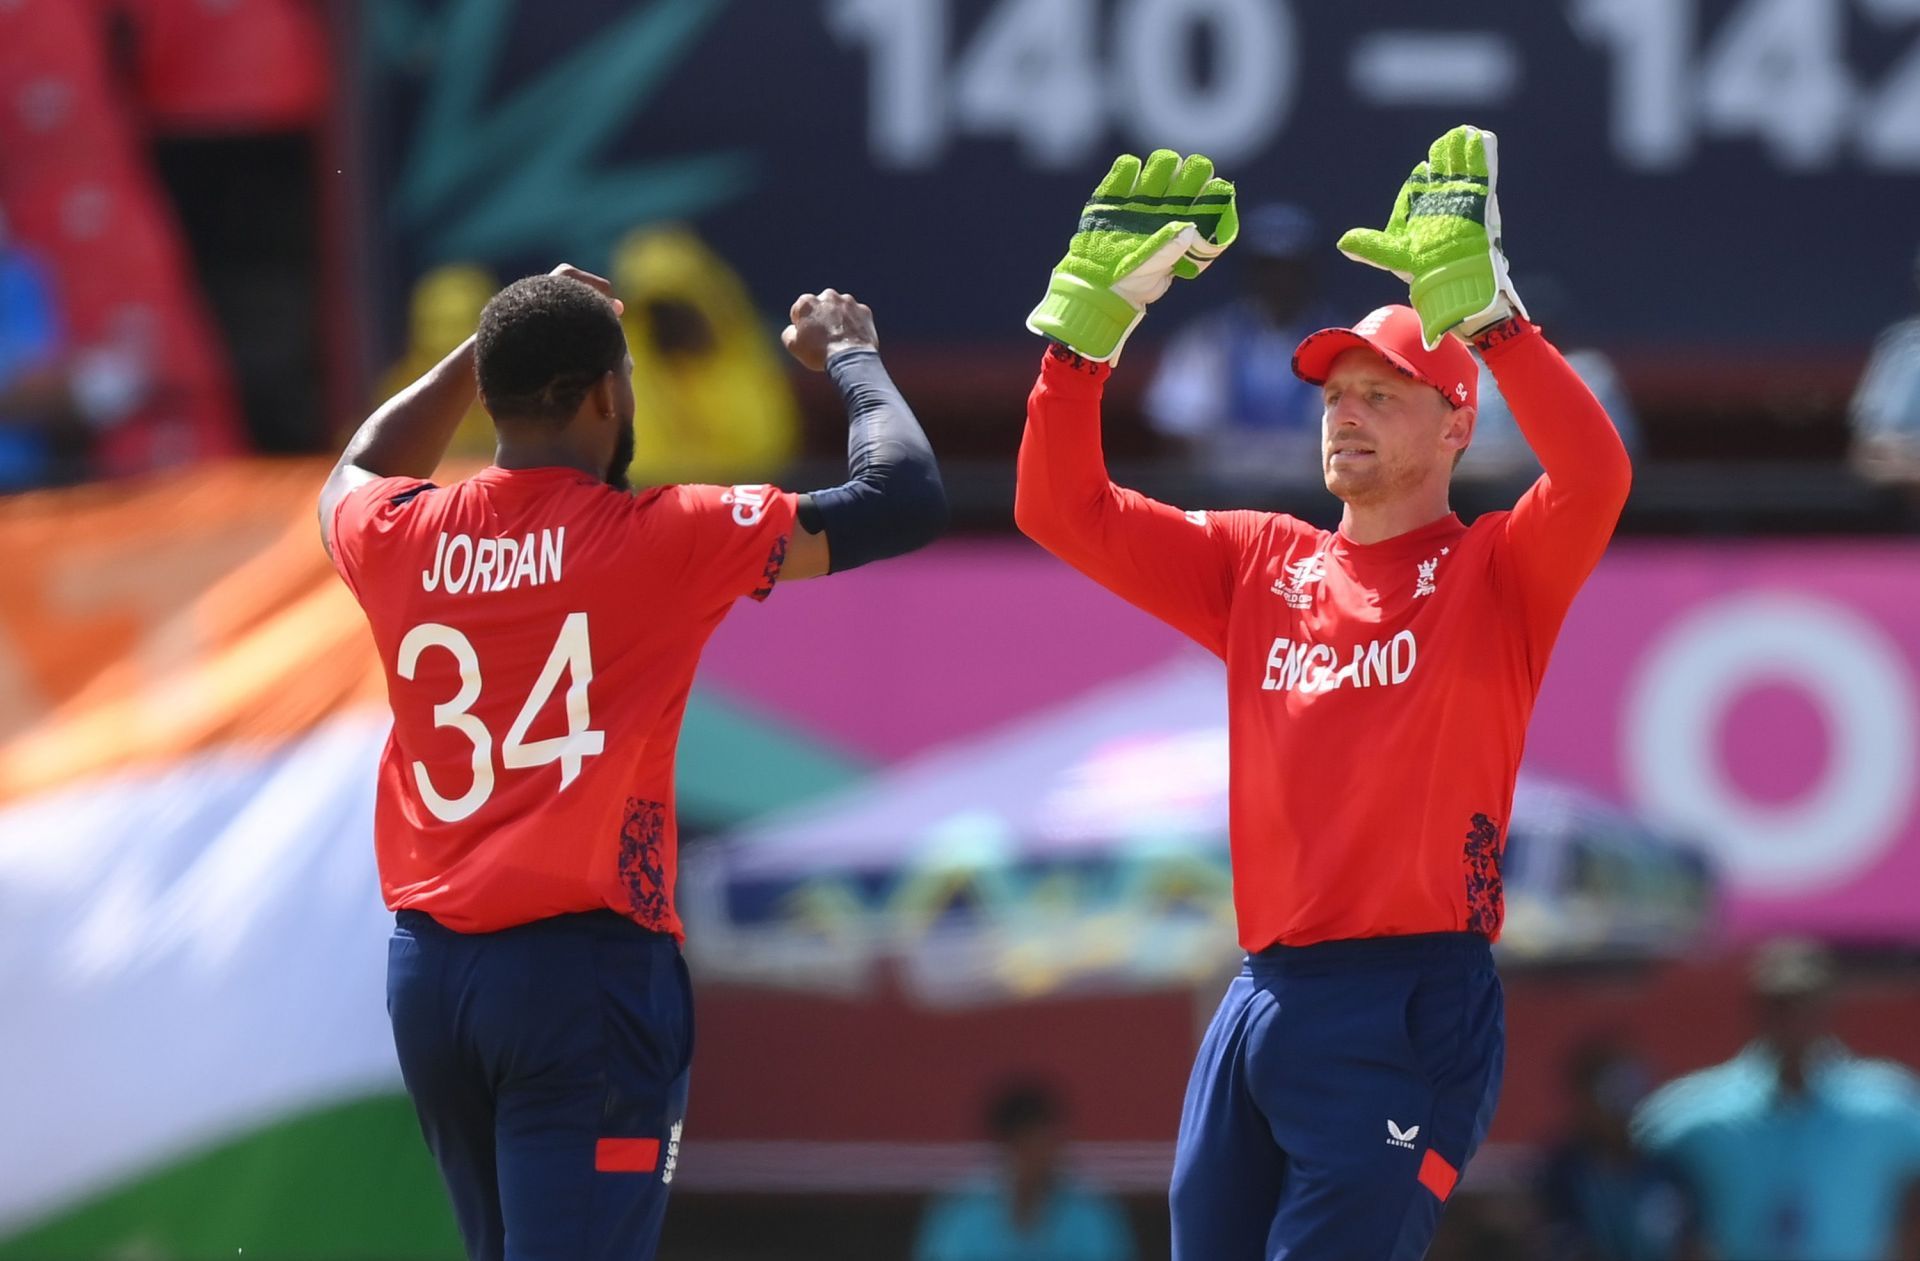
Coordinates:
<point>539,632</point>
<point>1378,694</point>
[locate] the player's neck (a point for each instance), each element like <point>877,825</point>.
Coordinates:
<point>557,454</point>
<point>1378,522</point>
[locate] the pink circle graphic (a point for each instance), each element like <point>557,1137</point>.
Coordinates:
<point>1775,742</point>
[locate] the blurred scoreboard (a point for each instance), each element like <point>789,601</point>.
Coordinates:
<point>1690,173</point>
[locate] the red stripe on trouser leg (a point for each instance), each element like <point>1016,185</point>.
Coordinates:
<point>1436,1175</point>
<point>626,1155</point>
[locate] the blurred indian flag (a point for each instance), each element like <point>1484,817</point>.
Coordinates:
<point>192,946</point>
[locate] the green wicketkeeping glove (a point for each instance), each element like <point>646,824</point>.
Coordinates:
<point>1144,226</point>
<point>1444,238</point>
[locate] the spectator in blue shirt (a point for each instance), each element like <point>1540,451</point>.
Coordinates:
<point>1028,1209</point>
<point>1795,1149</point>
<point>1225,386</point>
<point>38,429</point>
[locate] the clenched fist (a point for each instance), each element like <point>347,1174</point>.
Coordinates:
<point>825,324</point>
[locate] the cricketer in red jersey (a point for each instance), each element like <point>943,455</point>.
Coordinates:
<point>1380,678</point>
<point>540,624</point>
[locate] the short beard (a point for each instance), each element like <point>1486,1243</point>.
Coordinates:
<point>1384,486</point>
<point>1341,489</point>
<point>622,458</point>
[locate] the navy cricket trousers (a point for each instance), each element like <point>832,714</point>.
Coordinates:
<point>548,1066</point>
<point>1341,1089</point>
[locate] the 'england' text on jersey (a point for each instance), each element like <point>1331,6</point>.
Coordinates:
<point>463,563</point>
<point>1300,666</point>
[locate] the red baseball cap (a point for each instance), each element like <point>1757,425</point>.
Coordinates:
<point>1393,333</point>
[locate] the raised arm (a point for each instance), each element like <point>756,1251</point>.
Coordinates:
<point>1145,225</point>
<point>1175,565</point>
<point>1444,239</point>
<point>1560,527</point>
<point>893,501</point>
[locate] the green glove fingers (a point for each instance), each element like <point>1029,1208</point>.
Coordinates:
<point>1121,177</point>
<point>1444,238</point>
<point>1387,249</point>
<point>1187,183</point>
<point>1158,174</point>
<point>1215,217</point>
<point>1146,223</point>
<point>1191,177</point>
<point>1448,155</point>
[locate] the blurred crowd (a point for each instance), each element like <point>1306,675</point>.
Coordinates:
<point>171,216</point>
<point>159,237</point>
<point>1795,1149</point>
<point>1224,390</point>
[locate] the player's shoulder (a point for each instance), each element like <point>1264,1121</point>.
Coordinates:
<point>1486,532</point>
<point>1252,524</point>
<point>1254,542</point>
<point>383,506</point>
<point>1285,530</point>
<point>393,492</point>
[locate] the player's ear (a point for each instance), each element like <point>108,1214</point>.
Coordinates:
<point>1458,433</point>
<point>605,395</point>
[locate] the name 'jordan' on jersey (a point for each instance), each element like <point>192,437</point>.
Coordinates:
<point>1377,694</point>
<point>539,631</point>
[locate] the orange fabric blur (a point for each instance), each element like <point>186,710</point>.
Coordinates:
<point>145,620</point>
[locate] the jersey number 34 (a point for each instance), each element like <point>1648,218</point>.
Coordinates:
<point>572,655</point>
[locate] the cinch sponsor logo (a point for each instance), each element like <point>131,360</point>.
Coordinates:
<point>749,503</point>
<point>1298,666</point>
<point>460,563</point>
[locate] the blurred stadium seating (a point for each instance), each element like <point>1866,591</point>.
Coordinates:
<point>221,225</point>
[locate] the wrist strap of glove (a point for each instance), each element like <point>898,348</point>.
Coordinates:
<point>1458,286</point>
<point>1072,360</point>
<point>1503,331</point>
<point>1089,317</point>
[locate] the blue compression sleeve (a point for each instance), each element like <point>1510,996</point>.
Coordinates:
<point>892,501</point>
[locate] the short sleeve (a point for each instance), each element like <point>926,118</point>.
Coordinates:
<point>732,539</point>
<point>365,514</point>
